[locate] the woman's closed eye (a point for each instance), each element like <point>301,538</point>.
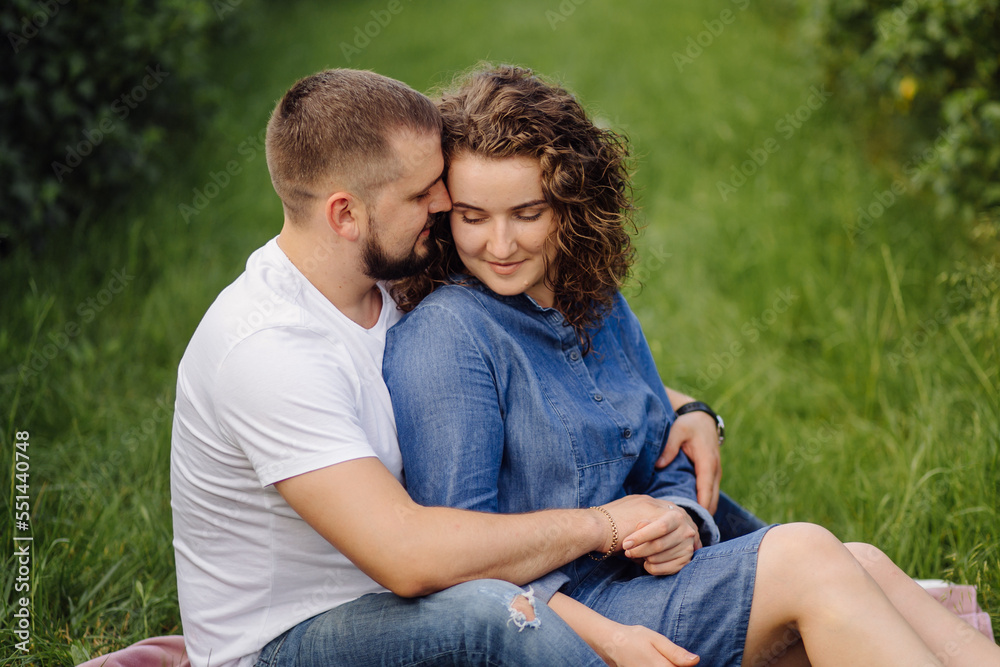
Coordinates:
<point>528,216</point>
<point>471,220</point>
<point>524,215</point>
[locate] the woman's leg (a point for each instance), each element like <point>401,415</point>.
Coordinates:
<point>793,656</point>
<point>808,582</point>
<point>954,641</point>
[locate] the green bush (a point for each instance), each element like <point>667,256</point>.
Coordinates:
<point>936,63</point>
<point>91,94</point>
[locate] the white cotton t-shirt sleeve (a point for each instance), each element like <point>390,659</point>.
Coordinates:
<point>290,405</point>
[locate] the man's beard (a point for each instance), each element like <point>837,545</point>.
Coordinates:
<point>377,264</point>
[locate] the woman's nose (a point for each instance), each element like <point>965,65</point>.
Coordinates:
<point>501,242</point>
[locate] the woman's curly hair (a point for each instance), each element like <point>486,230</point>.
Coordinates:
<point>507,111</point>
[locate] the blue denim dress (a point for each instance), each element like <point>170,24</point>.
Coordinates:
<point>498,410</point>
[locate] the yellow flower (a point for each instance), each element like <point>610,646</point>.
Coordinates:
<point>907,88</point>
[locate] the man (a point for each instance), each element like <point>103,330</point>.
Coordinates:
<point>291,528</point>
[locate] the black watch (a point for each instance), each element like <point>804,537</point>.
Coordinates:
<point>698,406</point>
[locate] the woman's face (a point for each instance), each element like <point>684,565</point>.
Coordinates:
<point>501,224</point>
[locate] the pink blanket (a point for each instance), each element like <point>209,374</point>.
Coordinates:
<point>169,651</point>
<point>154,652</point>
<point>961,600</point>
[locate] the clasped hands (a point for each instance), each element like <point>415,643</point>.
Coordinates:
<point>656,532</point>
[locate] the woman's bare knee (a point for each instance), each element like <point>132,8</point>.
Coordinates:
<point>794,576</point>
<point>803,540</point>
<point>876,563</point>
<point>808,561</point>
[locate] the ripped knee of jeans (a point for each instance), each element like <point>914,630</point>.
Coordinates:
<point>522,611</point>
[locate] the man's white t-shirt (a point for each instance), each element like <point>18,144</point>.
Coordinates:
<point>275,382</point>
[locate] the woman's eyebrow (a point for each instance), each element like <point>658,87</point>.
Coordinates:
<point>536,202</point>
<point>529,204</point>
<point>460,204</point>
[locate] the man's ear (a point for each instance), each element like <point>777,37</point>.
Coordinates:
<point>345,213</point>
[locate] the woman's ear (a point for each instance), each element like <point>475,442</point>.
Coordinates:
<point>345,213</point>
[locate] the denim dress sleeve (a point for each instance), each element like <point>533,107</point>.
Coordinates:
<point>448,416</point>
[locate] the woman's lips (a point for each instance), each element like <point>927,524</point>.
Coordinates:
<point>506,268</point>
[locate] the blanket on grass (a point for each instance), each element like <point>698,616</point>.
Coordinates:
<point>169,651</point>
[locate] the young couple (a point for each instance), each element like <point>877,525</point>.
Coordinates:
<point>521,387</point>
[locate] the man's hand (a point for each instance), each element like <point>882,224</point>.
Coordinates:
<point>696,433</point>
<point>655,531</point>
<point>632,512</point>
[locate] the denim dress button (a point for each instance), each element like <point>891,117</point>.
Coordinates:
<point>627,433</point>
<point>598,398</point>
<point>574,355</point>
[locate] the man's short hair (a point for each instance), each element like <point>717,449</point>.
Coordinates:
<point>337,126</point>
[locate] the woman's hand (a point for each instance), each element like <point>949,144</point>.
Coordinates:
<point>666,544</point>
<point>620,645</point>
<point>637,645</point>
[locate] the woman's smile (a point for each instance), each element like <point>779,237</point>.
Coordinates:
<point>502,224</point>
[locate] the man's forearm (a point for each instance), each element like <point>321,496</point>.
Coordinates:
<point>451,546</point>
<point>362,510</point>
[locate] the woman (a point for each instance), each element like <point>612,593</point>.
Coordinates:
<point>524,382</point>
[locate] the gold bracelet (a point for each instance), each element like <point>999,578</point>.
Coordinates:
<point>614,534</point>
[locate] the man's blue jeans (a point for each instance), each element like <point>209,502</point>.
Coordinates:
<point>469,624</point>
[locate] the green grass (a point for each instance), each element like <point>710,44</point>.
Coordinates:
<point>847,408</point>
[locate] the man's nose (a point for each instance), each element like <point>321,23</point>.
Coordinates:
<point>440,199</point>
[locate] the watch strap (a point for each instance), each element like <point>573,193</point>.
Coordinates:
<point>698,406</point>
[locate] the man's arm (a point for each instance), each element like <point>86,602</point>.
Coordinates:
<point>695,433</point>
<point>289,405</point>
<point>360,508</point>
